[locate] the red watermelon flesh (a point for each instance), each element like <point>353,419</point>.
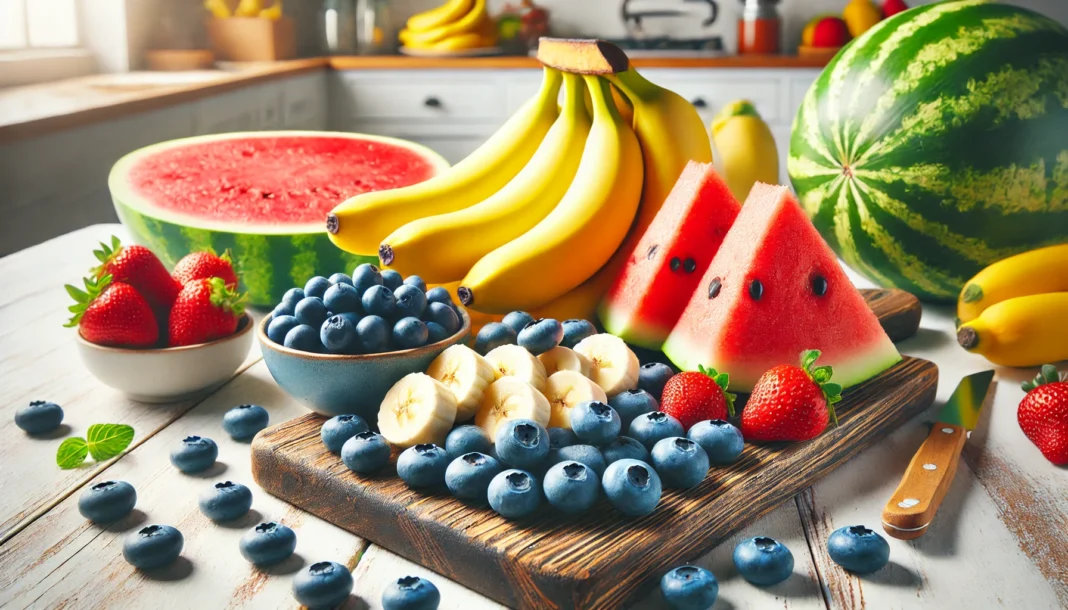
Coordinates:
<point>774,290</point>
<point>665,267</point>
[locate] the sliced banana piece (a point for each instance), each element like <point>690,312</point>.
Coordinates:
<point>613,366</point>
<point>561,358</point>
<point>466,374</point>
<point>564,390</point>
<point>515,361</point>
<point>511,398</point>
<point>417,409</point>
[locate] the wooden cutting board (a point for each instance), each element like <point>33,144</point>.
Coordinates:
<point>599,559</point>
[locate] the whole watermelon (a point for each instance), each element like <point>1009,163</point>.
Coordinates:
<point>936,143</point>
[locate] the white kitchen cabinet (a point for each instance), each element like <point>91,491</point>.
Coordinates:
<point>304,102</point>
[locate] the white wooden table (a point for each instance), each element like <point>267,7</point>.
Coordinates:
<point>1000,539</point>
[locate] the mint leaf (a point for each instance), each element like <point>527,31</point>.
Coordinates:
<point>72,452</point>
<point>108,440</point>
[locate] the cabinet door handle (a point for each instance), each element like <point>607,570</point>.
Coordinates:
<point>699,103</point>
<point>432,102</point>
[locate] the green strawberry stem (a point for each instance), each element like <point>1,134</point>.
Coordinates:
<point>225,298</point>
<point>94,287</point>
<point>821,375</point>
<point>722,380</point>
<point>1048,374</point>
<point>105,254</point>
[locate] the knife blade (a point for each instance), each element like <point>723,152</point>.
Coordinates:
<point>913,505</point>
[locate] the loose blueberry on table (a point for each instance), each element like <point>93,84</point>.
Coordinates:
<point>680,462</point>
<point>541,335</point>
<point>467,439</point>
<point>423,466</point>
<point>340,428</point>
<point>514,494</point>
<point>411,593</point>
<point>632,403</point>
<point>107,501</point>
<point>721,440</point>
<point>858,549</point>
<point>575,331</point>
<point>492,336</point>
<point>225,501</point>
<point>763,561</point>
<point>584,454</point>
<point>689,588</point>
<point>632,487</point>
<point>522,443</point>
<point>653,376</point>
<point>153,546</point>
<point>325,584</point>
<point>468,476</point>
<point>650,428</point>
<point>517,320</point>
<point>625,448</point>
<point>39,417</point>
<point>268,543</point>
<point>244,421</point>
<point>195,454</point>
<point>571,487</point>
<point>365,453</point>
<point>595,422</point>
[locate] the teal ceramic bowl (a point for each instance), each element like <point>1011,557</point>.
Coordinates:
<point>333,384</point>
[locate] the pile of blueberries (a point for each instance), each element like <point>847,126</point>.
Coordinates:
<point>369,312</point>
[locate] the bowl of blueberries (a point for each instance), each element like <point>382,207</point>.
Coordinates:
<point>339,344</point>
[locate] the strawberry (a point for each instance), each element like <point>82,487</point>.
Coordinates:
<point>1043,414</point>
<point>204,265</point>
<point>205,310</point>
<point>692,397</point>
<point>791,403</point>
<point>112,313</point>
<point>138,267</point>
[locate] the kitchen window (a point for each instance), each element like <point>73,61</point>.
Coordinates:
<point>39,41</point>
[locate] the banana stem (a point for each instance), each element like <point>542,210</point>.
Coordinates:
<point>551,81</point>
<point>601,96</point>
<point>634,85</point>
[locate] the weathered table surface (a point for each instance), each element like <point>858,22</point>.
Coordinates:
<point>1000,539</point>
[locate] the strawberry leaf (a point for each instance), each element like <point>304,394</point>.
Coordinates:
<point>1047,374</point>
<point>83,299</point>
<point>76,294</point>
<point>808,358</point>
<point>105,441</point>
<point>822,374</point>
<point>72,452</point>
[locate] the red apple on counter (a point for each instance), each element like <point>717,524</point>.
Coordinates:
<point>829,33</point>
<point>893,7</point>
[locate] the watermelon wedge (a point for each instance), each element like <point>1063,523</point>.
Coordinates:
<point>774,290</point>
<point>667,264</point>
<point>262,195</point>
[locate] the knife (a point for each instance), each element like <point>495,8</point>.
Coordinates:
<point>913,506</point>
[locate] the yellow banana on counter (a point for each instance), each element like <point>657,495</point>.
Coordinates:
<point>446,13</point>
<point>1035,272</point>
<point>358,225</point>
<point>248,8</point>
<point>580,234</point>
<point>1024,331</point>
<point>445,247</point>
<point>218,8</point>
<point>273,12</point>
<point>745,148</point>
<point>469,23</point>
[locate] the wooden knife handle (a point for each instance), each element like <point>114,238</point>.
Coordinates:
<point>913,506</point>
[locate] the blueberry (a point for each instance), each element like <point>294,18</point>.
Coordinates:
<point>443,315</point>
<point>325,584</point>
<point>689,588</point>
<point>268,543</point>
<point>762,561</point>
<point>391,279</point>
<point>107,501</point>
<point>342,298</point>
<point>514,494</point>
<point>339,335</point>
<point>417,282</point>
<point>340,428</point>
<point>631,404</point>
<point>316,287</point>
<point>632,487</point>
<point>195,454</point>
<point>494,335</point>
<point>571,487</point>
<point>410,301</point>
<point>858,549</point>
<point>575,331</point>
<point>468,476</point>
<point>244,421</point>
<point>562,437</point>
<point>282,309</point>
<point>366,452</point>
<point>373,332</point>
<point>466,439</point>
<point>439,295</point>
<point>653,376</point>
<point>366,276</point>
<point>352,317</point>
<point>721,441</point>
<point>279,327</point>
<point>303,338</point>
<point>411,593</point>
<point>522,443</point>
<point>540,336</point>
<point>152,546</point>
<point>595,422</point>
<point>379,301</point>
<point>39,417</point>
<point>311,311</point>
<point>650,428</point>
<point>225,501</point>
<point>625,448</point>
<point>680,462</point>
<point>436,332</point>
<point>292,297</point>
<point>409,333</point>
<point>584,454</point>
<point>340,278</point>
<point>517,320</point>
<point>423,466</point>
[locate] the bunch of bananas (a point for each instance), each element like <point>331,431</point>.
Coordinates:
<point>457,25</point>
<point>544,214</point>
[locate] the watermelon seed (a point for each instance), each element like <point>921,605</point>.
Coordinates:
<point>819,285</point>
<point>714,287</point>
<point>675,263</point>
<point>756,290</point>
<point>652,252</point>
<point>689,265</point>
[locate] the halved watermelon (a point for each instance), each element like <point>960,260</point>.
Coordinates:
<point>665,267</point>
<point>263,195</point>
<point>774,290</point>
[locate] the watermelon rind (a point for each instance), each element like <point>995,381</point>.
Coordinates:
<point>270,258</point>
<point>937,143</point>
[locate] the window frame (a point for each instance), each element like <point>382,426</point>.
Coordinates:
<point>28,65</point>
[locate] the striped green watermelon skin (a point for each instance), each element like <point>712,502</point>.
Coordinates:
<point>937,143</point>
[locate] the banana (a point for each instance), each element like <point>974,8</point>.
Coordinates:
<point>1022,331</point>
<point>613,365</point>
<point>219,9</point>
<point>745,148</point>
<point>564,390</point>
<point>248,8</point>
<point>466,374</point>
<point>561,358</point>
<point>1035,272</point>
<point>580,234</point>
<point>460,42</point>
<point>417,409</point>
<point>511,398</point>
<point>446,13</point>
<point>515,361</point>
<point>359,224</point>
<point>273,12</point>
<point>468,24</point>
<point>469,234</point>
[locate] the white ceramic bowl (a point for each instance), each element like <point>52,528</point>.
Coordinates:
<point>172,373</point>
